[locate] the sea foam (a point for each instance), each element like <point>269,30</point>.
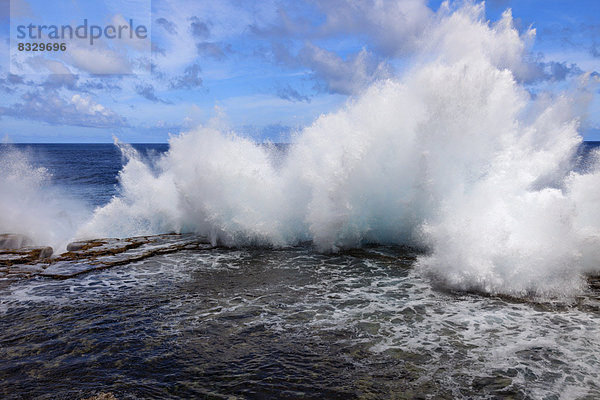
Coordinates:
<point>31,205</point>
<point>454,155</point>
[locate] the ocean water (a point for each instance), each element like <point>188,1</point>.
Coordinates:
<point>438,236</point>
<point>87,172</point>
<point>290,322</point>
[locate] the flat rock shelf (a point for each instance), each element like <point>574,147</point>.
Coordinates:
<point>88,255</point>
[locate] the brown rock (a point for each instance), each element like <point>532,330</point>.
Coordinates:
<point>24,255</point>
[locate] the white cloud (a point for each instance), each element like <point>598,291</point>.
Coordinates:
<point>49,106</point>
<point>98,59</point>
<point>86,106</point>
<point>141,44</point>
<point>39,64</point>
<point>395,27</point>
<point>343,76</point>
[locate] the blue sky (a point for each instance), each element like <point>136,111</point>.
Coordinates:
<point>264,69</point>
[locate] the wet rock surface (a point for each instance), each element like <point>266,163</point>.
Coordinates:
<point>88,255</point>
<point>24,255</point>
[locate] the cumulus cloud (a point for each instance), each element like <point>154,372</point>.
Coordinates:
<point>157,49</point>
<point>348,76</point>
<point>147,91</point>
<point>98,60</point>
<point>198,28</point>
<point>560,71</point>
<point>392,27</point>
<point>86,106</point>
<point>49,106</point>
<point>168,26</point>
<point>122,54</point>
<point>289,93</point>
<point>338,46</point>
<point>213,50</point>
<point>9,83</point>
<point>331,72</point>
<point>56,75</point>
<point>61,80</point>
<point>128,42</point>
<point>43,65</point>
<point>99,85</point>
<point>190,78</point>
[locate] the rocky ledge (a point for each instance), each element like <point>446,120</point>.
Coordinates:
<point>19,259</point>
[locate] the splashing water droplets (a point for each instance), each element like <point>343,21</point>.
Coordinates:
<point>455,156</point>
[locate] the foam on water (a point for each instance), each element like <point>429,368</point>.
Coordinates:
<point>455,156</point>
<point>32,206</point>
<point>371,304</point>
